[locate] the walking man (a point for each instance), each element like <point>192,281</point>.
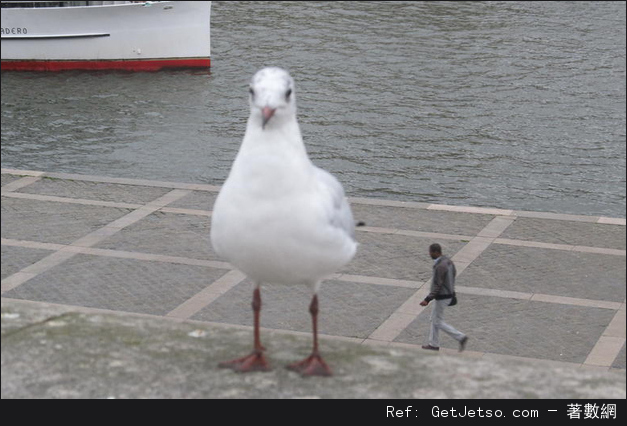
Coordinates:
<point>443,291</point>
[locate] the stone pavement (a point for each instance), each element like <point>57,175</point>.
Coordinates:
<point>531,285</point>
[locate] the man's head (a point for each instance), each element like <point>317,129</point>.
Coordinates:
<point>435,250</point>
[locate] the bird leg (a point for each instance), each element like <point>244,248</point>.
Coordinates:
<point>256,361</point>
<point>313,365</point>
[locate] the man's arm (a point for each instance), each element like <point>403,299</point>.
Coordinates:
<point>438,282</point>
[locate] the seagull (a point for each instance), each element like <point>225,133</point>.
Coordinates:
<point>278,218</point>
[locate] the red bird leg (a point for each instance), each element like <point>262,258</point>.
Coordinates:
<point>313,365</point>
<point>256,361</point>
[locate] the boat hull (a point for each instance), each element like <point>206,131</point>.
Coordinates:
<point>130,36</point>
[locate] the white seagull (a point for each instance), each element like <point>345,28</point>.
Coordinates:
<point>279,218</point>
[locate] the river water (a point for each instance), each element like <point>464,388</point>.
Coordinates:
<point>515,105</point>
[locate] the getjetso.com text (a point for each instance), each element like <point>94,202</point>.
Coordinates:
<point>463,412</point>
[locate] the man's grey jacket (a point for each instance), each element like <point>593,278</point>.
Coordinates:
<point>443,282</point>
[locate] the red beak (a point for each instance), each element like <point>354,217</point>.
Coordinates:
<point>267,114</point>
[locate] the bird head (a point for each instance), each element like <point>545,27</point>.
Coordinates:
<point>272,97</point>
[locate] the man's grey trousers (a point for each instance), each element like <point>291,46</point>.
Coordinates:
<point>437,324</point>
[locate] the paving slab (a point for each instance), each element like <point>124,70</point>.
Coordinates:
<point>63,224</point>
<point>547,271</point>
<point>101,191</point>
<point>420,219</point>
<point>518,327</point>
<point>567,232</point>
<point>125,285</point>
<point>14,259</point>
<point>619,362</point>
<point>154,234</point>
<point>199,200</point>
<point>7,179</point>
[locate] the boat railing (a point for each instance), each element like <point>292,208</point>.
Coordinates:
<point>37,4</point>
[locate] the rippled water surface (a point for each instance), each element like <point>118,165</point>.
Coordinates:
<point>500,104</point>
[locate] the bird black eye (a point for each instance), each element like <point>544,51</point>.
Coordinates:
<point>287,94</point>
<point>252,92</point>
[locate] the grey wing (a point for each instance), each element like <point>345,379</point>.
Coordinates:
<point>338,209</point>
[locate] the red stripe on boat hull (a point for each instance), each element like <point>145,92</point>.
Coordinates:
<point>128,65</point>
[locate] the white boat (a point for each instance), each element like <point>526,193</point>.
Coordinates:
<point>136,36</point>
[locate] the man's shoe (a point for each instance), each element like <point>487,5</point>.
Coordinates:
<point>462,344</point>
<point>431,348</point>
